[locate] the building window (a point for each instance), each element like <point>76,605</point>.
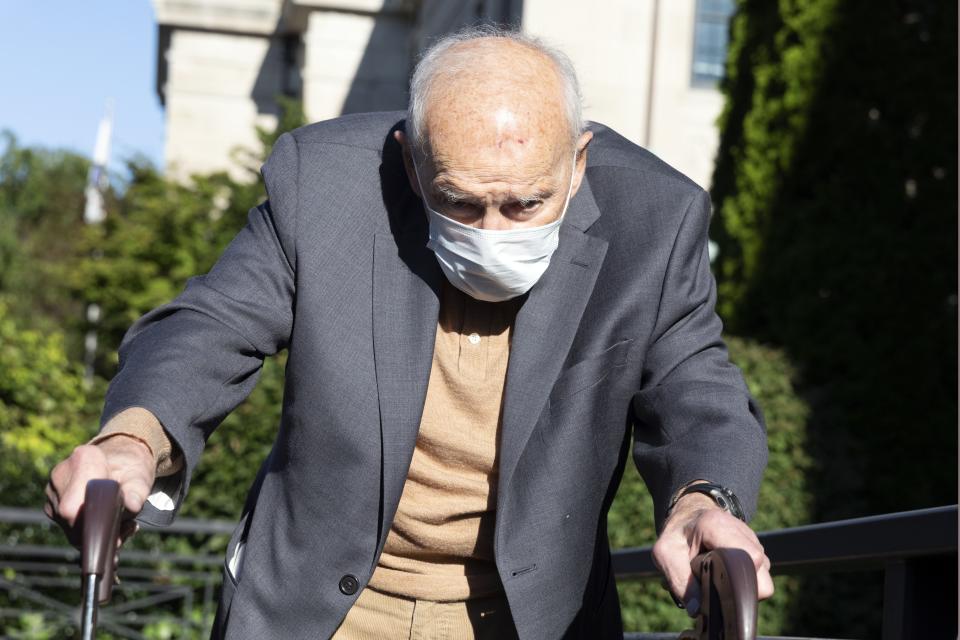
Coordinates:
<point>710,40</point>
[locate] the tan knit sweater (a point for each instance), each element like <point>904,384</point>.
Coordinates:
<point>141,424</point>
<point>440,546</point>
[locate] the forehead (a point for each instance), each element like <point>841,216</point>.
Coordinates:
<point>518,165</point>
<point>501,116</point>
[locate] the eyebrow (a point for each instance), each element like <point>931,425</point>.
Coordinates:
<point>453,194</point>
<point>543,194</point>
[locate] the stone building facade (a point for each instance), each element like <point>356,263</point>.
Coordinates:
<point>648,67</point>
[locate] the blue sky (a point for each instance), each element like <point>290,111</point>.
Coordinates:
<point>61,61</point>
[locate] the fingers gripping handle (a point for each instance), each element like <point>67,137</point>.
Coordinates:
<point>102,507</point>
<point>728,587</point>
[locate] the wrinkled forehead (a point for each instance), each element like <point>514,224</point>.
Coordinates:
<point>507,107</point>
<point>498,141</point>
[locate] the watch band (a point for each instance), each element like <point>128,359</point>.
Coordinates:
<point>724,497</point>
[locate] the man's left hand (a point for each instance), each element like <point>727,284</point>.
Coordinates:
<point>696,525</point>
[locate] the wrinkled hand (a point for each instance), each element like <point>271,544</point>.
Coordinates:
<point>695,526</point>
<point>123,459</point>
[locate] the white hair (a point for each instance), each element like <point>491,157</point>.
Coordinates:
<point>435,60</point>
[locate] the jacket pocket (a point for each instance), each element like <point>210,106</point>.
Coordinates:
<point>233,560</point>
<point>590,371</point>
<point>232,569</point>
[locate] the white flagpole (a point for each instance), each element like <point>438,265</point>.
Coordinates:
<point>95,213</point>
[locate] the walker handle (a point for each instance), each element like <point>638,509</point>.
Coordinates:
<point>102,508</point>
<point>728,588</point>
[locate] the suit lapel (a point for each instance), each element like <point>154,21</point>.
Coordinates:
<point>545,327</point>
<point>406,290</point>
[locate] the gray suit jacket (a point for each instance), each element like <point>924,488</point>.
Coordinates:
<point>618,337</point>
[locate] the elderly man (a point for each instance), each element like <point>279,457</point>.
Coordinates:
<point>477,317</point>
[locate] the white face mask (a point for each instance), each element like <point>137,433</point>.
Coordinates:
<point>492,265</point>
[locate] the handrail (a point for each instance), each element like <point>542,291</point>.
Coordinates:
<point>906,534</point>
<point>870,539</point>
<point>176,588</point>
<point>907,546</point>
<point>20,515</point>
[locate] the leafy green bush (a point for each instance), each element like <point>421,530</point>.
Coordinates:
<point>45,411</point>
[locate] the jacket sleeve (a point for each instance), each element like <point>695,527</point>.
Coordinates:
<point>193,360</point>
<point>695,418</point>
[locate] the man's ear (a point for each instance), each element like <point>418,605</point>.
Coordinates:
<point>407,154</point>
<point>581,165</point>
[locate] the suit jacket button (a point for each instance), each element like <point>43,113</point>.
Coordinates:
<point>349,585</point>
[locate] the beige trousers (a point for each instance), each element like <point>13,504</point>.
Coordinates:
<point>381,616</point>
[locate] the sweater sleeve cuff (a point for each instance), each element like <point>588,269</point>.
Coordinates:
<point>138,423</point>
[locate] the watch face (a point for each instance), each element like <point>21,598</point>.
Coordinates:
<point>728,500</point>
<point>725,498</point>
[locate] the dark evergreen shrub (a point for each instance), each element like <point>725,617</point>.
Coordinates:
<point>836,214</point>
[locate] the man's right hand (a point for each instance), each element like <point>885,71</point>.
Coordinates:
<point>127,460</point>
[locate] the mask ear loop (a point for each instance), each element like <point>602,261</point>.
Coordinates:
<point>573,174</point>
<point>416,172</point>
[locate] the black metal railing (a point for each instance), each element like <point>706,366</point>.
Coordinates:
<point>916,550</point>
<point>161,593</point>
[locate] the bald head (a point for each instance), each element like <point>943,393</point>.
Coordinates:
<point>496,96</point>
<point>494,126</point>
<point>515,64</point>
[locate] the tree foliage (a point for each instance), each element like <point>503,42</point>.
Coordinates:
<point>157,234</point>
<point>836,217</point>
<point>45,410</point>
<point>41,214</point>
<point>836,198</point>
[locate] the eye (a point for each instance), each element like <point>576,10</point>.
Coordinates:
<point>523,208</point>
<point>457,208</point>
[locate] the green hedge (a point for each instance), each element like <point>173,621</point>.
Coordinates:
<point>836,217</point>
<point>45,410</point>
<point>835,194</point>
